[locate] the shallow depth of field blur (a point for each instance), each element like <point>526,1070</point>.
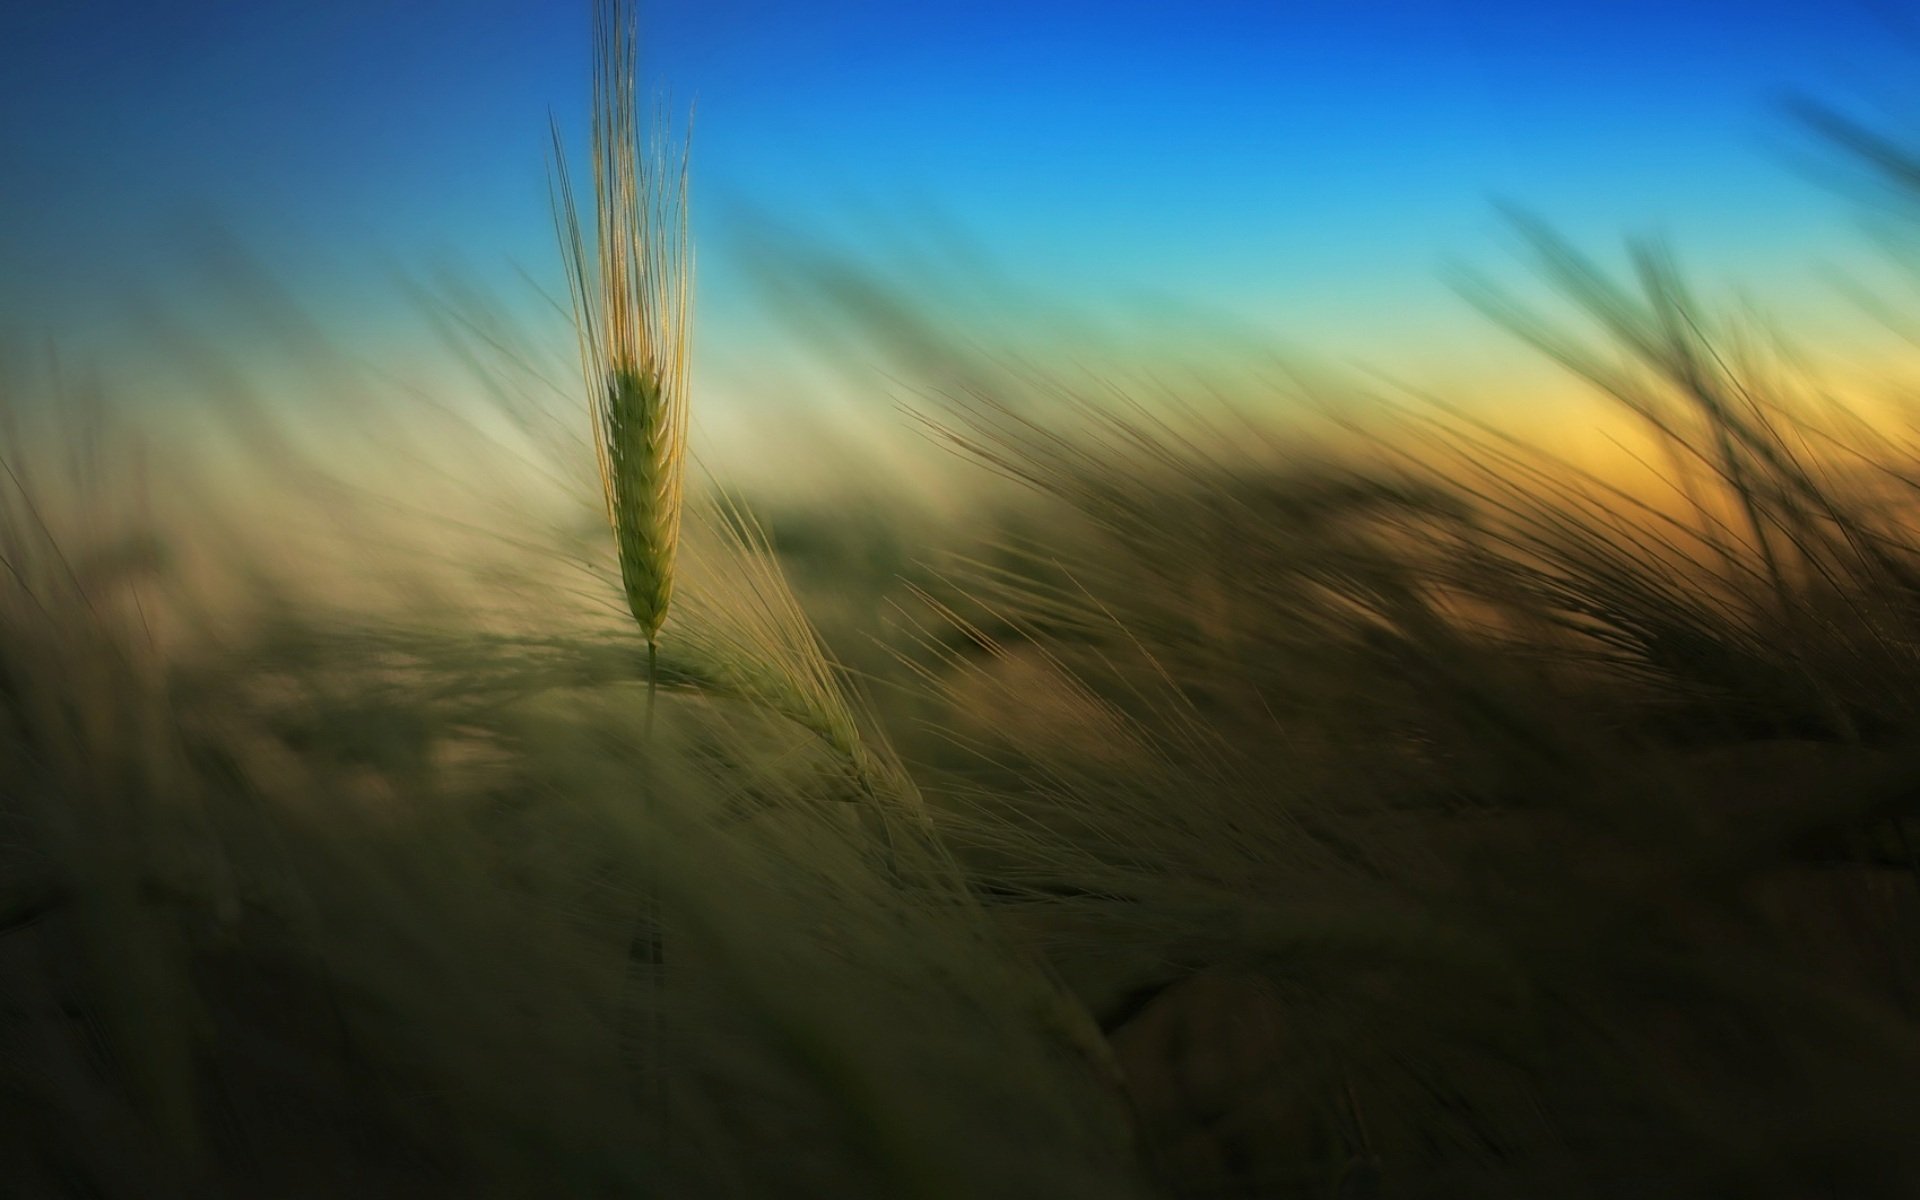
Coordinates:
<point>1100,749</point>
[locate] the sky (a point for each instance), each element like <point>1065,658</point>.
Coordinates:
<point>1307,170</point>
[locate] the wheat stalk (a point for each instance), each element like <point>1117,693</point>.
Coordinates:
<point>631,305</point>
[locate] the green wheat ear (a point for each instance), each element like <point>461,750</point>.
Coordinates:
<point>643,471</point>
<point>631,304</point>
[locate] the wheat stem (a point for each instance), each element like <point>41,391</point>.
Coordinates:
<point>631,301</point>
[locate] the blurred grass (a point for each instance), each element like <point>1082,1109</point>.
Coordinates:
<point>1213,805</point>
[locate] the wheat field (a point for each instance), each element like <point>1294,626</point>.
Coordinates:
<point>1228,789</point>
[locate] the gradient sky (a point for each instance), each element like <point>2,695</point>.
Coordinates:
<point>1305,167</point>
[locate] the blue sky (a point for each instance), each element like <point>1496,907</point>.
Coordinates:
<point>1307,167</point>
